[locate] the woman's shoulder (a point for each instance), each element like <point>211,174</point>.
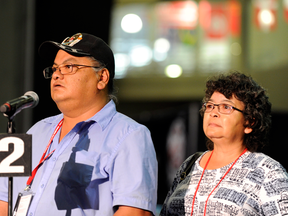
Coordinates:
<point>260,161</point>
<point>191,160</point>
<point>186,166</point>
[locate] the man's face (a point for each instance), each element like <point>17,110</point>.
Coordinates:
<point>74,91</point>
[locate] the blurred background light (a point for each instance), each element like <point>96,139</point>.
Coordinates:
<point>173,71</point>
<point>161,48</point>
<point>266,17</point>
<point>162,45</point>
<point>140,55</point>
<point>122,62</point>
<point>131,23</point>
<point>189,13</point>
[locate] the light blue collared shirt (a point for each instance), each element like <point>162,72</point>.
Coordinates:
<point>102,163</point>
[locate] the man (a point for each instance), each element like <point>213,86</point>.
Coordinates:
<point>98,161</point>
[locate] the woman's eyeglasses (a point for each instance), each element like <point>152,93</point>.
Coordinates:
<point>222,108</point>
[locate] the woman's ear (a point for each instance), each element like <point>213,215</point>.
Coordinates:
<point>103,79</point>
<point>248,130</point>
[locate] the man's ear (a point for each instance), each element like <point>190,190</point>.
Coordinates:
<point>104,77</point>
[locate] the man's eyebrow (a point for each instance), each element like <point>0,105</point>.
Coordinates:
<point>64,62</point>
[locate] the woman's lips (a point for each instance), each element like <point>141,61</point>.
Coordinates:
<point>214,125</point>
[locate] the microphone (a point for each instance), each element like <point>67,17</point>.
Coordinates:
<point>29,99</point>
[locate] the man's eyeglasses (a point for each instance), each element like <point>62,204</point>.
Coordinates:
<point>63,69</point>
<point>222,108</point>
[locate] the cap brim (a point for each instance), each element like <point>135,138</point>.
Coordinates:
<point>49,49</point>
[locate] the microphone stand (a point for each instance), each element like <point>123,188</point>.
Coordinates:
<point>10,130</point>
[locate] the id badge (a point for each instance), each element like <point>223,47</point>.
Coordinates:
<point>23,203</point>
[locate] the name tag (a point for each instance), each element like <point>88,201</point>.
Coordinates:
<point>23,203</point>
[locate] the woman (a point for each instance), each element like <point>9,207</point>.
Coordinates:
<point>231,178</point>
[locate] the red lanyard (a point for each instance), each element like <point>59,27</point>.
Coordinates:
<point>216,185</point>
<point>43,158</point>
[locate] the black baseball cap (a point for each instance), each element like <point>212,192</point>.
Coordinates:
<point>81,44</point>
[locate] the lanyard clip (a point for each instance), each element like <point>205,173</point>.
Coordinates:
<point>28,187</point>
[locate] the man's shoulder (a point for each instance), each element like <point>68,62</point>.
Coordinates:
<point>109,117</point>
<point>120,119</point>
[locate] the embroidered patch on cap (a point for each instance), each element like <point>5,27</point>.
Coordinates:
<point>71,41</point>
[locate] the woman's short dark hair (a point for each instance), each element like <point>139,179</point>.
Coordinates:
<point>257,111</point>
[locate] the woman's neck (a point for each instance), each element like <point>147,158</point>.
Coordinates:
<point>221,156</point>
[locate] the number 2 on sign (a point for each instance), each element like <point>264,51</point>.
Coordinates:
<point>16,154</point>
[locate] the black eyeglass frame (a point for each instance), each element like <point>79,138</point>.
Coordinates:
<point>52,69</point>
<point>214,105</point>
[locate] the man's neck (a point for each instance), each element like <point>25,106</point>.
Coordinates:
<point>70,119</point>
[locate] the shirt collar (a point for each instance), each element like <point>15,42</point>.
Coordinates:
<point>105,115</point>
<point>102,117</point>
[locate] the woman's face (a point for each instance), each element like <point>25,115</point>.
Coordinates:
<point>226,128</point>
